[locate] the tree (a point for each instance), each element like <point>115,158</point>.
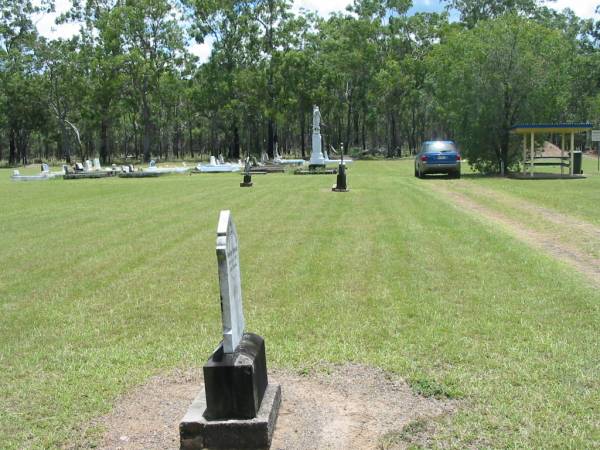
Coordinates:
<point>473,11</point>
<point>20,75</point>
<point>153,42</point>
<point>501,72</point>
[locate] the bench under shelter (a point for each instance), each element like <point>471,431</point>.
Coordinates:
<point>565,160</point>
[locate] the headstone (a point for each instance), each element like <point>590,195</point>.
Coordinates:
<point>213,160</point>
<point>221,159</point>
<point>65,169</point>
<point>97,165</point>
<point>247,176</point>
<point>16,173</point>
<point>88,165</point>
<point>232,313</point>
<point>152,163</point>
<point>239,407</point>
<point>78,167</point>
<point>45,168</point>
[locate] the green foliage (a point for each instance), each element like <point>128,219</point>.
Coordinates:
<point>385,80</point>
<point>501,72</point>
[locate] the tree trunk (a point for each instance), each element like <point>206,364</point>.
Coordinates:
<point>270,138</point>
<point>302,131</point>
<point>12,148</point>
<point>348,123</point>
<point>147,125</point>
<point>393,137</point>
<point>22,141</point>
<point>104,144</point>
<point>234,151</point>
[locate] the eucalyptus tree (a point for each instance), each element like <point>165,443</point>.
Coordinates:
<point>248,37</point>
<point>473,11</point>
<point>64,82</point>
<point>102,47</point>
<point>229,23</point>
<point>298,75</point>
<point>21,99</point>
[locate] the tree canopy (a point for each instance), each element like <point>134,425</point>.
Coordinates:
<point>127,85</point>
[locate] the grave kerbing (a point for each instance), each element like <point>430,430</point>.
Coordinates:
<point>238,408</point>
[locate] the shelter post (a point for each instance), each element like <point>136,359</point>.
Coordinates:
<point>532,157</point>
<point>562,155</point>
<point>572,153</point>
<point>524,153</point>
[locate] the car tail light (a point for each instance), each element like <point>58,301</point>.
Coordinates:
<point>423,158</point>
<point>458,157</point>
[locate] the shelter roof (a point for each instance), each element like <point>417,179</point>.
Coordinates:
<point>526,128</point>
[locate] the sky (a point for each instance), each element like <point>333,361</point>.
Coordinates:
<point>47,28</point>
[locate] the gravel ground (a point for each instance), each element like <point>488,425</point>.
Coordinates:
<point>335,407</point>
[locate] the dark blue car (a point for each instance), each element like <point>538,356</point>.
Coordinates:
<point>438,157</point>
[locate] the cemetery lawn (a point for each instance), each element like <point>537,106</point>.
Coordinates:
<point>104,283</point>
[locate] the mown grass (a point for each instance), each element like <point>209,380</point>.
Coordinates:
<point>106,282</point>
<point>580,198</point>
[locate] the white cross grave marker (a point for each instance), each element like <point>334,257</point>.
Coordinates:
<point>228,257</point>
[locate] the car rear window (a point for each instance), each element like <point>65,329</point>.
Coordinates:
<point>440,147</point>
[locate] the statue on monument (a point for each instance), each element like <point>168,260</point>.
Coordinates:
<point>316,120</point>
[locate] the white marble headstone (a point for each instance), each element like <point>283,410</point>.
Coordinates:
<point>88,165</point>
<point>97,165</point>
<point>213,161</point>
<point>228,257</point>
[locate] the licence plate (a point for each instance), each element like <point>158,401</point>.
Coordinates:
<point>442,157</point>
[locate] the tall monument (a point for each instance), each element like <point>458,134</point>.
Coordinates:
<point>316,157</point>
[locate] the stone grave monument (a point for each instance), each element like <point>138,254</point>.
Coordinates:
<point>238,408</point>
<point>341,184</point>
<point>317,165</point>
<point>247,176</point>
<point>317,159</point>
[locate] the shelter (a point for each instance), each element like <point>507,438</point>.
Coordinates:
<point>531,129</point>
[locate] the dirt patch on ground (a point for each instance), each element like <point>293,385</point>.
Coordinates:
<point>572,223</point>
<point>339,407</point>
<point>587,264</point>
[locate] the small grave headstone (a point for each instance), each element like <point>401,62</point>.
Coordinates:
<point>239,407</point>
<point>247,176</point>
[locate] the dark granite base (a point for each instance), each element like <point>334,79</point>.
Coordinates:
<point>141,174</point>
<point>335,189</point>
<point>86,175</point>
<point>315,172</point>
<point>246,184</point>
<point>197,433</point>
<point>236,382</point>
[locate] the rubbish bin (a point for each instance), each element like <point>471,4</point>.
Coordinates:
<point>577,163</point>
